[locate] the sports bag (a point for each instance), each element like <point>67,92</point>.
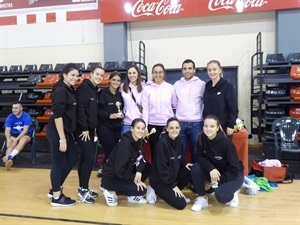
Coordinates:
<point>273,174</point>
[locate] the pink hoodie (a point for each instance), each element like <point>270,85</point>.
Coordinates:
<point>157,101</point>
<point>189,105</point>
<point>130,109</point>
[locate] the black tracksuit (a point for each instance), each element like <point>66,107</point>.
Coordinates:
<point>87,120</point>
<point>220,101</point>
<point>108,130</point>
<point>64,106</point>
<point>120,168</point>
<point>168,170</point>
<point>218,153</point>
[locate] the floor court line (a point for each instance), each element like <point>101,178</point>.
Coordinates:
<point>56,219</point>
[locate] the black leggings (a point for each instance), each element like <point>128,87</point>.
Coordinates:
<point>108,138</point>
<point>153,138</point>
<point>62,162</point>
<point>87,158</point>
<point>224,193</point>
<point>167,193</point>
<point>124,187</point>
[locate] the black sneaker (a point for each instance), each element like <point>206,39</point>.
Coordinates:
<point>93,194</point>
<point>84,195</point>
<point>62,201</point>
<point>210,191</point>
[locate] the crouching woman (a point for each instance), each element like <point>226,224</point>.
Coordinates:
<point>126,170</point>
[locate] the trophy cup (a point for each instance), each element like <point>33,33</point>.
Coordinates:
<point>118,104</point>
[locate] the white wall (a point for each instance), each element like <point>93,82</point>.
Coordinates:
<point>231,39</point>
<point>62,42</point>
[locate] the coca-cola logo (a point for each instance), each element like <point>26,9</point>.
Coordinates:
<point>162,7</point>
<point>214,5</point>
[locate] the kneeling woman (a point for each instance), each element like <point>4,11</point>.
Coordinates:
<point>170,173</point>
<point>126,170</point>
<point>217,162</point>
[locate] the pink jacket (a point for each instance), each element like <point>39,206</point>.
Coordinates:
<point>189,104</point>
<point>130,109</point>
<point>157,101</point>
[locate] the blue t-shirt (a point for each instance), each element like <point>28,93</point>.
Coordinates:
<point>16,125</point>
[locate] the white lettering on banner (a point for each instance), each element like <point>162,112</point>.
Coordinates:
<point>156,8</point>
<point>214,5</point>
<point>6,5</point>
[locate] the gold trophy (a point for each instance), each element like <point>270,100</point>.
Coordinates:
<point>118,104</point>
<point>152,131</point>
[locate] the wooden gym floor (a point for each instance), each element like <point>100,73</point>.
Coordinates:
<point>23,201</point>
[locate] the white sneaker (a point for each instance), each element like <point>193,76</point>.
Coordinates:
<point>137,199</point>
<point>111,199</point>
<point>200,203</point>
<point>235,201</point>
<point>150,196</point>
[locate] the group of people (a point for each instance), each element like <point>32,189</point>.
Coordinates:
<point>123,115</point>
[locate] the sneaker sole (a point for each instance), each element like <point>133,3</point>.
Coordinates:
<point>8,165</point>
<point>61,205</point>
<point>4,159</point>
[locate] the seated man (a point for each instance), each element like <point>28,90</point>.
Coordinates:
<point>18,132</point>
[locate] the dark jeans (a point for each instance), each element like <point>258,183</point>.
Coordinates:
<point>108,138</point>
<point>123,187</point>
<point>167,193</point>
<point>62,162</point>
<point>189,133</point>
<point>153,138</point>
<point>87,158</point>
<point>224,193</point>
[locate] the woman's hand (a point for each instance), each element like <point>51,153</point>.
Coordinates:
<point>178,192</point>
<point>229,131</point>
<point>63,145</point>
<point>214,175</point>
<point>138,177</point>
<point>85,135</point>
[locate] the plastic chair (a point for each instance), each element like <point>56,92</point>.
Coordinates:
<point>47,98</point>
<point>45,68</point>
<point>126,64</point>
<point>82,77</point>
<point>80,66</point>
<point>111,66</point>
<point>287,128</point>
<point>47,114</point>
<point>3,69</point>
<point>295,72</point>
<point>30,68</point>
<point>92,65</point>
<point>15,69</point>
<point>49,81</point>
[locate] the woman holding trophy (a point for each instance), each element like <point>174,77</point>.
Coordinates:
<point>110,107</point>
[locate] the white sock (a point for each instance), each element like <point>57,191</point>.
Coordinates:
<point>14,153</point>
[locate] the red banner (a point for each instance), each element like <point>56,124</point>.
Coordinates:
<point>24,4</point>
<point>13,12</point>
<point>138,10</point>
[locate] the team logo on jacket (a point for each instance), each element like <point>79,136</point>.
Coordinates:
<point>218,157</point>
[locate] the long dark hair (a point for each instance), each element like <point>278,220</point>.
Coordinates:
<point>139,79</point>
<point>113,74</point>
<point>65,70</point>
<point>140,142</point>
